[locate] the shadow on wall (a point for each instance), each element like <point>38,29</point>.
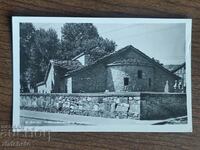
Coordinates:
<point>162,106</point>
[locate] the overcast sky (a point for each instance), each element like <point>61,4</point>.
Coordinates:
<point>165,42</point>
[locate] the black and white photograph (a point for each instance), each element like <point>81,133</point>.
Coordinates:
<point>73,74</point>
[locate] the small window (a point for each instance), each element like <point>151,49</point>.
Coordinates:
<point>139,74</point>
<point>126,81</point>
<point>51,84</point>
<point>149,82</point>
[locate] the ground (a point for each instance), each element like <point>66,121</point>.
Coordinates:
<point>33,118</point>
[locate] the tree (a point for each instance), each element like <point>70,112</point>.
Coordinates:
<point>46,45</point>
<point>84,37</point>
<point>37,48</point>
<point>98,47</point>
<point>27,32</point>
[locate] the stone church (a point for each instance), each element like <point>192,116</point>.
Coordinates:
<point>125,70</point>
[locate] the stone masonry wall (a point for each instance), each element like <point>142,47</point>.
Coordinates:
<point>143,106</point>
<point>155,106</point>
<point>97,105</point>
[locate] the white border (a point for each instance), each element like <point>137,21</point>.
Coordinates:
<point>134,128</point>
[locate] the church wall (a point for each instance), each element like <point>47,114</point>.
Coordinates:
<point>109,75</point>
<point>117,75</point>
<point>90,80</point>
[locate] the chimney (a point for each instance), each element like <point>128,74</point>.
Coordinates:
<point>82,58</point>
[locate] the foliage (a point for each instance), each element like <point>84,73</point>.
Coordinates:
<point>84,37</point>
<point>27,32</point>
<point>39,46</point>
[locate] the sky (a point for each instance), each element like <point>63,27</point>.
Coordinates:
<point>164,42</point>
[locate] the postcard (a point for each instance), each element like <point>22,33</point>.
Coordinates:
<point>73,74</point>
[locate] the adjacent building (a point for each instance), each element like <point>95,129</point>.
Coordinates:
<point>179,70</point>
<point>54,78</point>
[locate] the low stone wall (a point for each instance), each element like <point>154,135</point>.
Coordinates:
<point>98,105</point>
<point>155,106</point>
<point>144,106</point>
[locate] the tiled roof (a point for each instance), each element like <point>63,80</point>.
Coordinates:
<point>115,53</point>
<point>174,68</point>
<point>66,65</point>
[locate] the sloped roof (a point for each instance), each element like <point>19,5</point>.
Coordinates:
<point>81,54</point>
<point>115,53</point>
<point>67,65</point>
<point>174,68</point>
<point>179,67</point>
<point>171,67</point>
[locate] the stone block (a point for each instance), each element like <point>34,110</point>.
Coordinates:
<point>122,115</point>
<point>134,109</point>
<point>130,98</point>
<point>135,116</point>
<point>137,98</point>
<point>107,106</point>
<point>123,99</point>
<point>122,107</point>
<point>117,100</point>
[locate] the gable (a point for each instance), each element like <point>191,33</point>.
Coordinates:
<point>129,57</point>
<point>128,54</point>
